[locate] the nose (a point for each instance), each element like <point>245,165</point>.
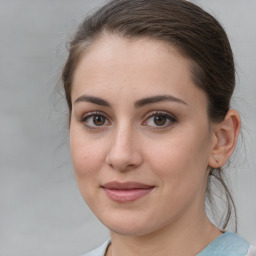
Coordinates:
<point>124,153</point>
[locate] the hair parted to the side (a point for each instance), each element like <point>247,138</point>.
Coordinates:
<point>193,32</point>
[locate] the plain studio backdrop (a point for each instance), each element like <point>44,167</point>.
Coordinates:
<point>41,210</point>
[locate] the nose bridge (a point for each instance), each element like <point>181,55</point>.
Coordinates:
<point>123,136</point>
<point>124,151</point>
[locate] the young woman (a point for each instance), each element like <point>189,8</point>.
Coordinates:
<point>148,84</point>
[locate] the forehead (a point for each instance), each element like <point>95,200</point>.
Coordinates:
<point>110,48</point>
<point>142,65</point>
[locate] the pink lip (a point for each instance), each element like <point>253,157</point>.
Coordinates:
<point>126,192</point>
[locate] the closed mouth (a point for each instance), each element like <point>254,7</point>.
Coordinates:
<point>127,191</point>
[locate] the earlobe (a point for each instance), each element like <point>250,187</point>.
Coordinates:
<point>224,139</point>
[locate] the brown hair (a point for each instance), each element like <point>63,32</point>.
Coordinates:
<point>195,33</point>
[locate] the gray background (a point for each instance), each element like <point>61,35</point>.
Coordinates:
<point>41,210</point>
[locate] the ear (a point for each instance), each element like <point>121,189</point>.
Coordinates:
<point>224,140</point>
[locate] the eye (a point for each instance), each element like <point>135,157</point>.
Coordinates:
<point>159,119</point>
<point>95,120</point>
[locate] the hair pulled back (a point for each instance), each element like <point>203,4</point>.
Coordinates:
<point>193,32</point>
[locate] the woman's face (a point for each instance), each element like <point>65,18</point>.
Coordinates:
<point>140,135</point>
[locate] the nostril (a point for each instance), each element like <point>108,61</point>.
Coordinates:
<point>124,162</point>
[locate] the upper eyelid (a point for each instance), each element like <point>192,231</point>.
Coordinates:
<point>88,115</point>
<point>159,112</point>
<point>94,113</point>
<point>170,117</point>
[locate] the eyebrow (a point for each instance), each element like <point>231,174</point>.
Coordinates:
<point>158,98</point>
<point>92,99</point>
<point>139,103</point>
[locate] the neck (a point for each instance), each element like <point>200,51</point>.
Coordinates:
<point>188,239</point>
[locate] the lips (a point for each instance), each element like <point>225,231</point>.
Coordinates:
<point>126,192</point>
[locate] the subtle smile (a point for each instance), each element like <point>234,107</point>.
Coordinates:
<point>126,192</point>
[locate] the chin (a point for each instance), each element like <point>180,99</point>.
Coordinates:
<point>128,226</point>
<point>129,231</point>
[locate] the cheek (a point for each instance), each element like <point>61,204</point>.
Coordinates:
<point>87,155</point>
<point>87,162</point>
<point>180,152</point>
<point>182,161</point>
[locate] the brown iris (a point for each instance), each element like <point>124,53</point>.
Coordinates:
<point>99,120</point>
<point>160,120</point>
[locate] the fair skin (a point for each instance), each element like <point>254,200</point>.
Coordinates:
<point>138,117</point>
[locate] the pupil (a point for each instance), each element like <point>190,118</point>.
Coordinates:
<point>98,120</point>
<point>160,120</point>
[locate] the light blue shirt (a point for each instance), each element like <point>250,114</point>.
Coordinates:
<point>228,244</point>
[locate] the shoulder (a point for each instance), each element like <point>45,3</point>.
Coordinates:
<point>100,251</point>
<point>251,251</point>
<point>229,244</point>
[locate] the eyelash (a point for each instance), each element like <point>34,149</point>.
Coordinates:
<point>86,117</point>
<point>168,120</point>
